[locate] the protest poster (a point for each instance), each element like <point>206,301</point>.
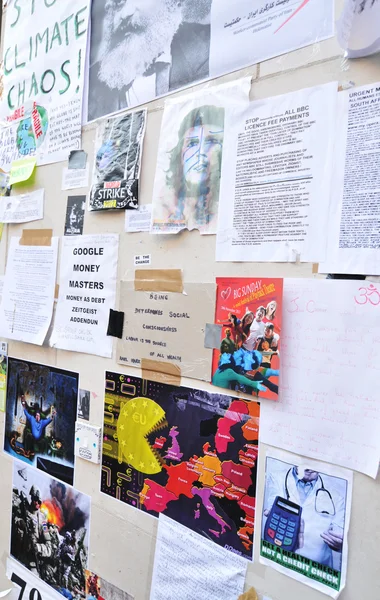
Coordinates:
<point>118,150</point>
<point>31,273</point>
<point>50,518</point>
<point>276,175</point>
<point>87,292</point>
<point>44,61</point>
<point>352,233</point>
<point>186,453</point>
<point>40,417</point>
<point>157,323</point>
<point>305,520</point>
<point>169,46</point>
<point>250,313</point>
<point>75,215</point>
<point>22,208</point>
<point>189,161</point>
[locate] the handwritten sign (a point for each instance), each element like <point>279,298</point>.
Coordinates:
<point>328,403</point>
<point>168,327</point>
<point>44,57</point>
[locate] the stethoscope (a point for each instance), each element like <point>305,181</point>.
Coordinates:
<point>322,490</point>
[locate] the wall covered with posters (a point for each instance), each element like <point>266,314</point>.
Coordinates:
<point>122,539</point>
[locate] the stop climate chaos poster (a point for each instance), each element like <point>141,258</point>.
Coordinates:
<point>186,453</point>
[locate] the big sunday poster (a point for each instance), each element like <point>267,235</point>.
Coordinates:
<point>250,313</point>
<point>183,452</point>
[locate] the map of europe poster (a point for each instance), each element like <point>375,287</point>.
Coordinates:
<point>187,453</point>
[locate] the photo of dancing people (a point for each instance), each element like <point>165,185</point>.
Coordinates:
<point>250,312</point>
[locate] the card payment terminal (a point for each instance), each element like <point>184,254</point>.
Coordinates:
<point>283,524</point>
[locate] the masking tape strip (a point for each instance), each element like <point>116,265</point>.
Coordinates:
<point>163,372</point>
<point>36,237</point>
<point>315,268</point>
<point>158,280</point>
<point>250,595</point>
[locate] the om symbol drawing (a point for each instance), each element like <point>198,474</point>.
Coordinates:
<point>370,294</point>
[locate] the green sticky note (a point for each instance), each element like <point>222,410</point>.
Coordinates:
<point>21,170</point>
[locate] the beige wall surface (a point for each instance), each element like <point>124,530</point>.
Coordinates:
<point>122,539</point>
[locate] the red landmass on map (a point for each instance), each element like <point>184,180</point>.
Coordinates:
<point>159,442</point>
<point>237,474</point>
<point>155,497</point>
<point>248,456</point>
<point>181,479</point>
<point>248,505</point>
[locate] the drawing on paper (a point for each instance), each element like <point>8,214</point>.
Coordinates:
<point>190,196</point>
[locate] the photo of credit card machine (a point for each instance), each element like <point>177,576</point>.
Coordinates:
<point>283,524</point>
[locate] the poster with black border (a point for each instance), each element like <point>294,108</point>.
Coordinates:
<point>117,164</point>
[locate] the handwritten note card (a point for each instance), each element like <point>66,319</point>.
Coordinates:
<point>187,566</point>
<point>167,327</point>
<point>329,401</point>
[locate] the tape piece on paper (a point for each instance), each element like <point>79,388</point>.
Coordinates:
<point>115,324</point>
<point>36,237</point>
<point>160,371</point>
<point>213,334</point>
<point>158,280</point>
<point>21,170</point>
<point>77,159</point>
<point>250,595</point>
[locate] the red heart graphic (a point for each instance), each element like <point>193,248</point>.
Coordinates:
<point>226,293</point>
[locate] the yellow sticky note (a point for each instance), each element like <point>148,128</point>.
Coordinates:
<point>22,169</point>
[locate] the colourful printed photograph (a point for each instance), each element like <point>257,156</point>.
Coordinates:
<point>249,312</point>
<point>41,411</point>
<point>305,519</point>
<point>50,529</point>
<point>98,588</point>
<point>183,452</point>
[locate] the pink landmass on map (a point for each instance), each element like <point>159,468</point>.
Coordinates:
<point>204,494</point>
<point>174,452</point>
<point>232,416</point>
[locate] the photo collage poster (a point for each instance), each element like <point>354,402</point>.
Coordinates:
<point>249,310</point>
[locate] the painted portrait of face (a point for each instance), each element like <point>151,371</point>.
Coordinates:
<point>202,149</point>
<point>195,163</point>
